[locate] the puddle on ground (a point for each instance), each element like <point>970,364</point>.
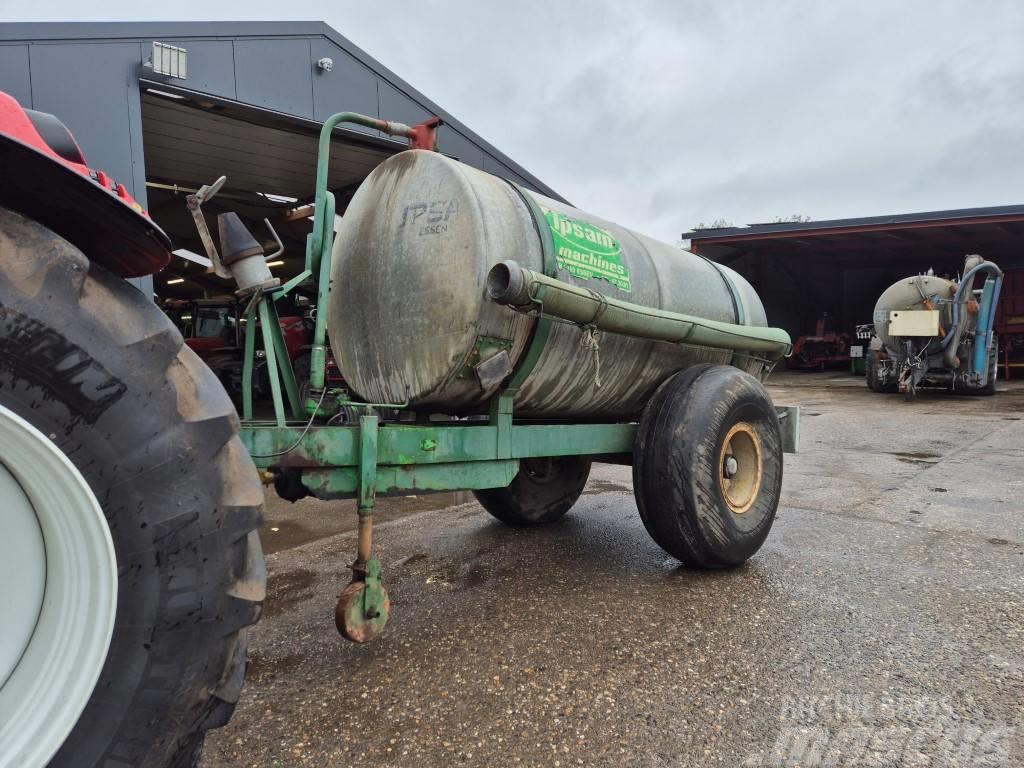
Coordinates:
<point>262,668</point>
<point>595,487</point>
<point>280,534</point>
<point>284,534</point>
<point>916,457</point>
<point>287,590</point>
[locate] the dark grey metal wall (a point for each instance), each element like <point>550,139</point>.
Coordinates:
<point>89,75</point>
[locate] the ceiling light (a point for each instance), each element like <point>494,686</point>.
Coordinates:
<point>277,263</point>
<point>176,280</point>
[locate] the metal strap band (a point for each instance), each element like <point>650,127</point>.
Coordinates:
<point>737,302</point>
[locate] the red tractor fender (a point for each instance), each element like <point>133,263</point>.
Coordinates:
<point>297,337</point>
<point>46,178</point>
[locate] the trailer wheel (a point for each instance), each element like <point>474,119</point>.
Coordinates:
<point>543,490</point>
<point>875,384</point>
<point>707,466</point>
<point>871,371</point>
<point>989,388</point>
<point>132,509</point>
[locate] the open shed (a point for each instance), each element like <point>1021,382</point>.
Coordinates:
<point>837,268</point>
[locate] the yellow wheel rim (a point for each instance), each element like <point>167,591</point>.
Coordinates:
<point>740,467</point>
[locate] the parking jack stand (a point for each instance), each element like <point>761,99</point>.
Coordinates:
<point>363,606</point>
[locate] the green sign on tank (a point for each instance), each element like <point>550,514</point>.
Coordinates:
<point>587,251</point>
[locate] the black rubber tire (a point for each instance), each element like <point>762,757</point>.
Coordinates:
<point>226,366</point>
<point>871,370</point>
<point>300,367</point>
<point>91,361</point>
<point>655,406</point>
<point>543,491</point>
<point>676,470</point>
<point>993,371</point>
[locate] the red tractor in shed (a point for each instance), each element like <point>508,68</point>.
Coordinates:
<point>214,329</point>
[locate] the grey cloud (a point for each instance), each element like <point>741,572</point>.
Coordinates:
<point>661,114</point>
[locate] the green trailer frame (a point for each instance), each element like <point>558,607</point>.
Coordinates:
<point>365,459</point>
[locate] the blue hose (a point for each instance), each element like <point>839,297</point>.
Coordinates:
<point>966,281</point>
<point>981,330</point>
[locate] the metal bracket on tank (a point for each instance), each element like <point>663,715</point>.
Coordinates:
<point>483,350</point>
<point>502,405</point>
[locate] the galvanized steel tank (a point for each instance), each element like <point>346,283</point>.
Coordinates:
<point>909,294</point>
<point>409,316</point>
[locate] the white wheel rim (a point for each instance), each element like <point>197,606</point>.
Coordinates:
<point>58,630</point>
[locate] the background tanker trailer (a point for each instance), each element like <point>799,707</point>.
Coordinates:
<point>935,332</point>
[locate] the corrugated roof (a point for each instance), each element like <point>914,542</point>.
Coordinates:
<point>866,223</point>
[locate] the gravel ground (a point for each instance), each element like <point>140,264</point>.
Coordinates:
<point>881,624</point>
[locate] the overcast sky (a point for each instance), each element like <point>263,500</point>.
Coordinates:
<point>660,115</point>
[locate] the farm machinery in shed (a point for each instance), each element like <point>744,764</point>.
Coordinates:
<point>491,339</point>
<point>934,332</point>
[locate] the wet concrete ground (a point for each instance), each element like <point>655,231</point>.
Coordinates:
<point>881,624</point>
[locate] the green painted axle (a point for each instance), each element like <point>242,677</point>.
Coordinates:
<point>523,289</point>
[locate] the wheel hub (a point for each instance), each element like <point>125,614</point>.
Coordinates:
<point>58,624</point>
<point>363,607</point>
<point>742,467</point>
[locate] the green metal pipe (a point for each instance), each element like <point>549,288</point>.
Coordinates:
<point>321,227</point>
<point>318,352</point>
<point>523,289</point>
<point>319,241</point>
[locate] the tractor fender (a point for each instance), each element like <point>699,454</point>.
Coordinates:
<point>46,179</point>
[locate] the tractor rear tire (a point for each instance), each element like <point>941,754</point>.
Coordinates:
<point>103,377</point>
<point>707,466</point>
<point>543,491</point>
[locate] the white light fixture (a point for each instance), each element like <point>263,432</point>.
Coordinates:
<point>165,94</point>
<point>176,280</point>
<point>277,263</point>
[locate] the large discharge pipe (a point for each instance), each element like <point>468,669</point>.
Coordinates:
<point>512,285</point>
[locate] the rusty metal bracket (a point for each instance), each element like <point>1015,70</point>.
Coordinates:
<point>484,348</point>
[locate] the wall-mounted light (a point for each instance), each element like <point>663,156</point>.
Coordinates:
<point>326,64</point>
<point>176,280</point>
<point>277,263</point>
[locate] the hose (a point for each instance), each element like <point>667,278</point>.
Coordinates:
<point>951,342</point>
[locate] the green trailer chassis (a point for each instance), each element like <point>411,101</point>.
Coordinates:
<point>305,453</point>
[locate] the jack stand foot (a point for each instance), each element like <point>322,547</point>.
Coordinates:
<point>363,606</point>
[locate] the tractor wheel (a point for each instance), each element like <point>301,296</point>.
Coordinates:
<point>130,510</point>
<point>542,491</point>
<point>707,466</point>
